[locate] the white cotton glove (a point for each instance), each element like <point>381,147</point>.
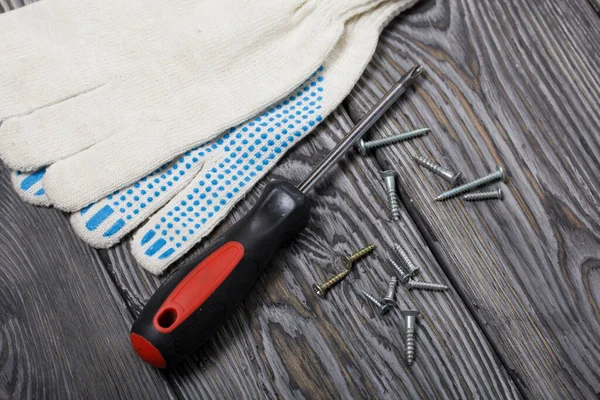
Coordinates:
<point>187,198</point>
<point>107,91</point>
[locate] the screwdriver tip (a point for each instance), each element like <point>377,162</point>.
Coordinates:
<point>416,71</point>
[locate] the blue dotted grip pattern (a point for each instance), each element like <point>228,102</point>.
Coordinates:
<point>246,153</point>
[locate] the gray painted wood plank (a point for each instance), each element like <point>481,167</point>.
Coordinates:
<point>63,325</point>
<point>286,342</point>
<point>513,83</point>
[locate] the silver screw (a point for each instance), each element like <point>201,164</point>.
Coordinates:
<point>348,261</point>
<point>412,269</point>
<point>363,146</point>
<point>410,325</point>
<point>482,196</point>
<point>389,179</point>
<point>403,275</point>
<point>383,308</point>
<point>437,169</point>
<point>495,176</point>
<point>390,295</point>
<point>436,287</point>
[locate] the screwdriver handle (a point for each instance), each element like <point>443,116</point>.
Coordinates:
<point>202,294</point>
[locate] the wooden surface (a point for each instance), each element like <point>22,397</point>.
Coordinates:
<point>511,83</point>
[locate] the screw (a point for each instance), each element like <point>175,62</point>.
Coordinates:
<point>412,268</point>
<point>437,169</point>
<point>321,291</point>
<point>389,179</point>
<point>383,308</point>
<point>390,296</point>
<point>402,274</point>
<point>410,325</point>
<point>481,196</point>
<point>495,176</point>
<point>348,261</point>
<point>436,287</point>
<point>363,146</point>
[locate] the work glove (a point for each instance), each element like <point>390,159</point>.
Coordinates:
<point>104,92</point>
<point>188,197</point>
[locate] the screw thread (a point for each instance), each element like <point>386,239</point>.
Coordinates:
<point>391,290</point>
<point>334,280</point>
<point>402,274</point>
<point>394,204</point>
<point>372,299</point>
<point>438,287</point>
<point>362,252</point>
<point>485,180</point>
<point>436,168</point>
<point>412,269</point>
<point>410,345</point>
<point>482,196</point>
<point>373,144</point>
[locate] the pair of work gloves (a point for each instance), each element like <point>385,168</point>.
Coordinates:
<point>161,115</point>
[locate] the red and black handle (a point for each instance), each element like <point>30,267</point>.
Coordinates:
<point>202,294</point>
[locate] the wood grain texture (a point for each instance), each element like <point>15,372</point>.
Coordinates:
<point>286,342</point>
<point>63,325</point>
<point>512,83</point>
<point>595,5</point>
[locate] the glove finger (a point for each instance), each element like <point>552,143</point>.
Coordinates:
<point>104,223</point>
<point>28,186</point>
<point>40,138</point>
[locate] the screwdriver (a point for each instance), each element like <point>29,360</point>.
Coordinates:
<point>200,295</point>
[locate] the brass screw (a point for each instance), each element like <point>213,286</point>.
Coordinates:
<point>322,289</point>
<point>348,261</point>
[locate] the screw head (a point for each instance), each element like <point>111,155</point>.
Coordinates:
<point>360,146</point>
<point>388,300</point>
<point>390,173</point>
<point>346,262</point>
<point>319,291</point>
<point>456,179</point>
<point>410,313</point>
<point>386,308</point>
<point>502,173</point>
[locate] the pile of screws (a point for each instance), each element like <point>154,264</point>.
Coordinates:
<point>464,189</point>
<point>406,274</point>
<point>386,304</point>
<point>389,177</point>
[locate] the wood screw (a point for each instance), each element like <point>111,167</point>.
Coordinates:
<point>321,290</point>
<point>436,287</point>
<point>403,275</point>
<point>482,196</point>
<point>383,308</point>
<point>363,146</point>
<point>348,261</point>
<point>389,180</point>
<point>437,169</point>
<point>496,176</point>
<point>390,295</point>
<point>410,326</point>
<point>412,269</point>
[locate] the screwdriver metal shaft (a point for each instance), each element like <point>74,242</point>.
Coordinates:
<point>360,129</point>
